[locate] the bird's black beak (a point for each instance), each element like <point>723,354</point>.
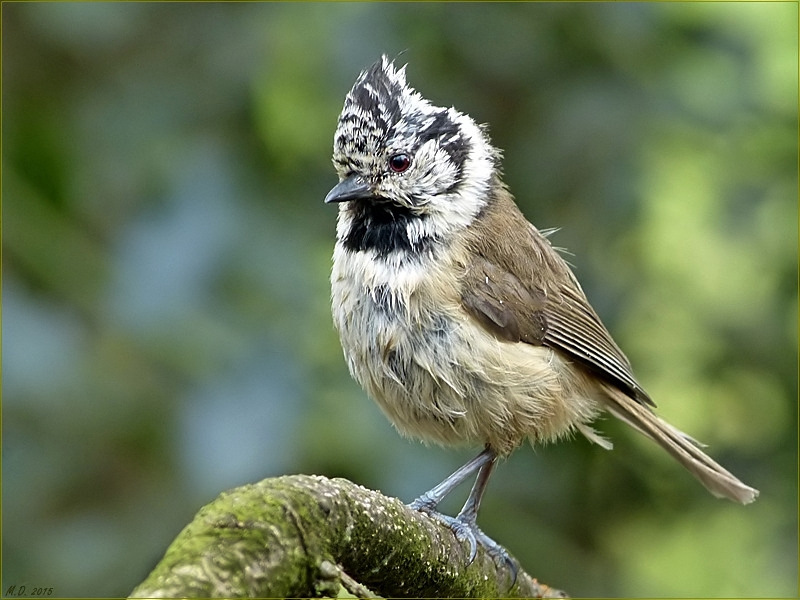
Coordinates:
<point>352,187</point>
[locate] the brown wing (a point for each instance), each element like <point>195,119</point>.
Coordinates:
<point>520,289</point>
<point>504,305</point>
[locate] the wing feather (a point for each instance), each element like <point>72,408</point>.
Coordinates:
<point>520,288</point>
<point>510,259</point>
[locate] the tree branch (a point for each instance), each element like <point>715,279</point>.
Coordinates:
<point>305,536</point>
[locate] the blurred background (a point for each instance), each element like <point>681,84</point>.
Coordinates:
<point>166,325</point>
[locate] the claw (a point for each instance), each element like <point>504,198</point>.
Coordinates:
<point>499,554</point>
<point>463,531</point>
<point>466,530</point>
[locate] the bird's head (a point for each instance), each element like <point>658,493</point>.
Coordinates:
<point>399,156</point>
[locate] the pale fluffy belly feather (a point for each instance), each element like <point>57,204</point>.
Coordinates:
<point>441,377</point>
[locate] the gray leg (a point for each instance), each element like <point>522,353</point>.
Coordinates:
<point>465,526</point>
<point>431,499</point>
<point>469,513</point>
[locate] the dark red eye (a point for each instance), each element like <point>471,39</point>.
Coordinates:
<point>399,163</point>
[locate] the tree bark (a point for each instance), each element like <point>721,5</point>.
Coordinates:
<point>309,536</point>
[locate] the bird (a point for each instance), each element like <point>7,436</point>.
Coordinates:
<point>455,314</point>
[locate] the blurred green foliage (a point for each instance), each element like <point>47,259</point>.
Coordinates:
<point>166,329</point>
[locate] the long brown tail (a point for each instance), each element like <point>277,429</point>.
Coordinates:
<point>684,449</point>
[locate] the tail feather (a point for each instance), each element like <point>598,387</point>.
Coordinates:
<point>681,447</point>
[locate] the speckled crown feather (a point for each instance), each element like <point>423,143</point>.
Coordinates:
<point>380,107</point>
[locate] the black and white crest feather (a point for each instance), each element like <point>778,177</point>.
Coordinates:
<point>383,112</point>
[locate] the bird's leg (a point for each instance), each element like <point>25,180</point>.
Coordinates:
<point>464,525</point>
<point>428,501</point>
<point>468,520</point>
<point>468,516</point>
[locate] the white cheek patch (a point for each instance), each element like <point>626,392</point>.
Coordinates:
<point>433,173</point>
<point>450,211</point>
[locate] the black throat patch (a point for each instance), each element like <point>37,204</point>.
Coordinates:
<point>382,226</point>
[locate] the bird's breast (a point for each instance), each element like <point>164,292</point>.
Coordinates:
<point>436,373</point>
<point>398,320</point>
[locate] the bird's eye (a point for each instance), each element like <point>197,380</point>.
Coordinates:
<point>399,162</point>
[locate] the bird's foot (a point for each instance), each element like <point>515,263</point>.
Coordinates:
<point>467,530</point>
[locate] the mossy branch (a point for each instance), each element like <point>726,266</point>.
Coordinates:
<point>306,536</point>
